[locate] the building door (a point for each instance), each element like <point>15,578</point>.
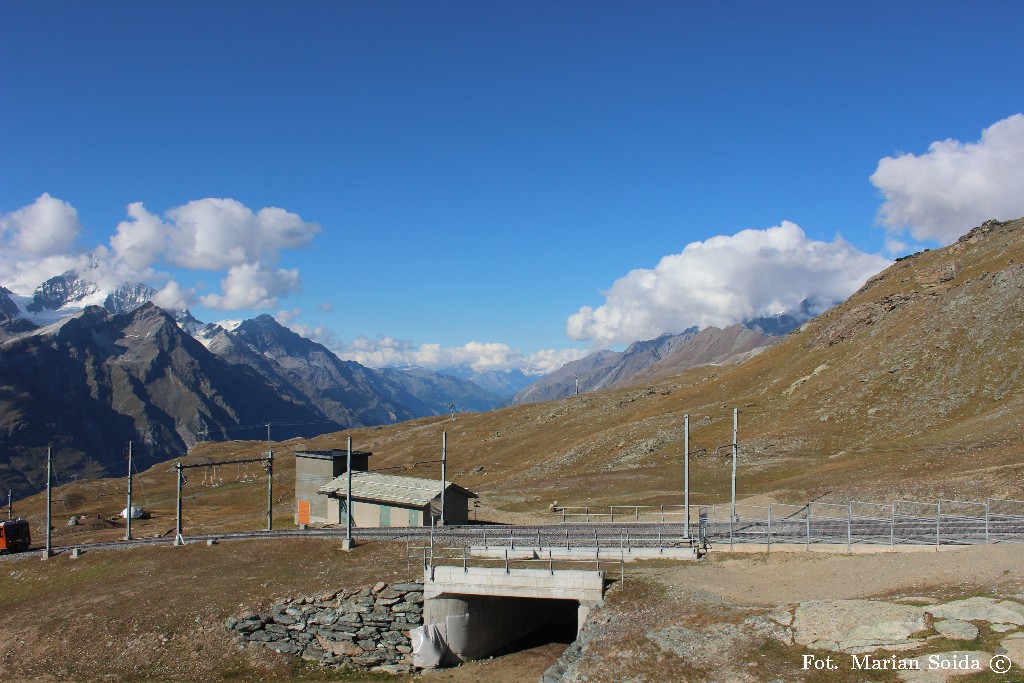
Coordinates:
<point>414,517</point>
<point>303,509</point>
<point>385,515</point>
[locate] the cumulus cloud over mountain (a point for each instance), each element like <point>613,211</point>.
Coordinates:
<point>725,280</point>
<point>954,184</point>
<point>209,235</point>
<point>38,242</point>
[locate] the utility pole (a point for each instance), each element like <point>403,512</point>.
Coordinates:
<point>444,464</point>
<point>735,433</point>
<point>686,472</point>
<point>348,543</point>
<point>10,504</point>
<point>577,386</point>
<point>49,500</point>
<point>128,531</point>
<point>270,482</point>
<point>270,491</point>
<point>178,538</point>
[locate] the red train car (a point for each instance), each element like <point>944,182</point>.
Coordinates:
<point>14,536</point>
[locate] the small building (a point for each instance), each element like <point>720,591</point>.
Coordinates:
<point>389,500</point>
<point>313,469</point>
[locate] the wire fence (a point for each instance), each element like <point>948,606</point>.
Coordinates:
<point>900,522</point>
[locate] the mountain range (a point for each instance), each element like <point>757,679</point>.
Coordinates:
<point>646,360</point>
<point>111,367</point>
<point>87,370</point>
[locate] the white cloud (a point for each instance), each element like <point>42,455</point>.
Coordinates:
<point>326,308</point>
<point>46,227</point>
<point>287,316</point>
<point>955,186</point>
<point>725,280</point>
<point>173,297</point>
<point>215,235</point>
<point>479,356</point>
<point>37,242</point>
<point>141,241</point>
<point>253,285</point>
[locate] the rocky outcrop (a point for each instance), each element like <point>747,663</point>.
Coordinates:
<point>362,629</point>
<point>857,625</point>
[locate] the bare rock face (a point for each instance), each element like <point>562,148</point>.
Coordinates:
<point>853,321</point>
<point>1014,646</point>
<point>955,629</point>
<point>939,274</point>
<point>858,626</point>
<point>981,609</point>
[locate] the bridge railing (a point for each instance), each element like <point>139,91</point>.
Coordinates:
<point>431,555</point>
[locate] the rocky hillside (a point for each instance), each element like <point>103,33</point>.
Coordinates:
<point>641,361</point>
<point>90,383</point>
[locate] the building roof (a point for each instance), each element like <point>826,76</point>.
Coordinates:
<point>332,454</point>
<point>391,488</point>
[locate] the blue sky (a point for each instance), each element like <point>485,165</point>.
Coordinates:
<point>491,172</point>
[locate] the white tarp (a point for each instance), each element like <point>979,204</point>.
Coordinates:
<point>428,646</point>
<point>136,513</point>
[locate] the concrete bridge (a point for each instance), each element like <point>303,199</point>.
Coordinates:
<point>482,609</point>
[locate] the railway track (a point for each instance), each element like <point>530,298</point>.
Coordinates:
<point>632,534</point>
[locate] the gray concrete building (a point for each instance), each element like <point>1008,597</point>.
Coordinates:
<point>313,469</point>
<point>389,500</point>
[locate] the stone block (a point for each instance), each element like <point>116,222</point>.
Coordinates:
<point>343,648</point>
<point>261,637</point>
<point>406,587</point>
<point>368,660</point>
<point>956,630</point>
<point>313,654</point>
<point>249,625</point>
<point>285,647</point>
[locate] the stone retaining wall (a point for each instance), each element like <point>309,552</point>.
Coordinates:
<point>362,629</point>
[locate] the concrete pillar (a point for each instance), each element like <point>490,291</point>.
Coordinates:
<point>436,610</point>
<point>581,616</point>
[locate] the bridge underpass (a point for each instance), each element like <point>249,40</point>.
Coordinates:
<point>481,610</point>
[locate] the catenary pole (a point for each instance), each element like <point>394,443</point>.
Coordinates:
<point>178,538</point>
<point>444,469</point>
<point>686,472</point>
<point>270,490</point>
<point>735,435</point>
<point>128,517</point>
<point>49,499</point>
<point>270,482</point>
<point>348,498</point>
